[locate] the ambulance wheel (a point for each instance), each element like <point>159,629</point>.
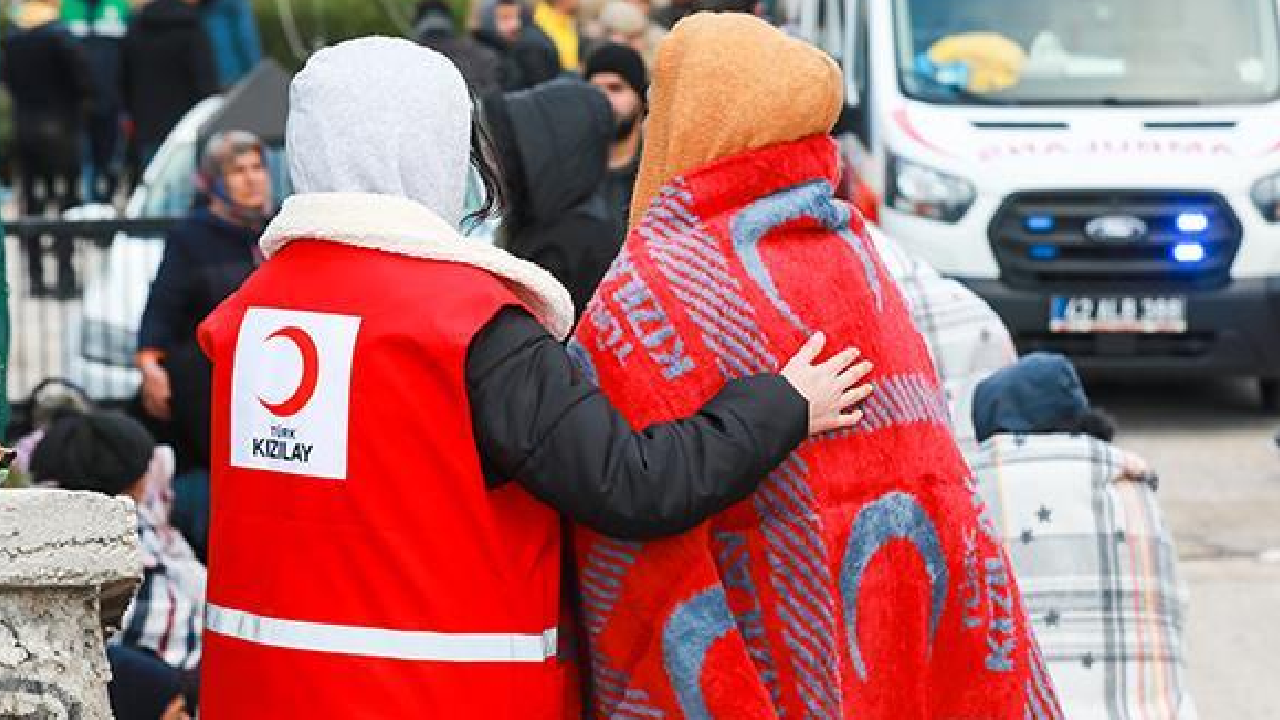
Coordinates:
<point>1269,391</point>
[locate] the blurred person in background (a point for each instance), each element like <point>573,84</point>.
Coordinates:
<point>528,56</point>
<point>559,20</point>
<point>620,73</point>
<point>51,86</point>
<point>673,12</point>
<point>552,143</point>
<point>618,22</point>
<point>112,454</point>
<point>480,65</point>
<point>625,23</point>
<point>233,34</point>
<point>168,67</point>
<point>51,400</point>
<point>100,26</point>
<point>1089,545</point>
<point>206,258</point>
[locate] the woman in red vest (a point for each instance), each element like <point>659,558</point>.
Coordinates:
<point>397,430</point>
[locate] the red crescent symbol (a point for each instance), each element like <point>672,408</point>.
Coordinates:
<point>310,373</point>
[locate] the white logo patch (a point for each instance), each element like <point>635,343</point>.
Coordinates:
<point>291,392</point>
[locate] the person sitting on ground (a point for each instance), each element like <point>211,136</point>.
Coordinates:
<point>51,400</point>
<point>620,73</point>
<point>112,454</point>
<point>1094,557</point>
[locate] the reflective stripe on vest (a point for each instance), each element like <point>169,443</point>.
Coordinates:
<point>381,643</point>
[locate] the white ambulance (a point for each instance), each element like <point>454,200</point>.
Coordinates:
<point>1105,173</point>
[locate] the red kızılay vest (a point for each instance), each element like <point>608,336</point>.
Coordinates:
<point>359,567</point>
<point>862,579</point>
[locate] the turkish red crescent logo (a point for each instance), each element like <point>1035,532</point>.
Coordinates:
<point>310,373</point>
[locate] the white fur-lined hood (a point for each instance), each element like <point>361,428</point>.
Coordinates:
<point>402,226</point>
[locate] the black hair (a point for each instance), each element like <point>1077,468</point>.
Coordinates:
<point>488,166</point>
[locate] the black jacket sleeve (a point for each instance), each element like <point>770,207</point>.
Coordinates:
<point>170,296</point>
<point>539,422</point>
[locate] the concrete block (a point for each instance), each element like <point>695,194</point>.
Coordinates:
<point>69,564</point>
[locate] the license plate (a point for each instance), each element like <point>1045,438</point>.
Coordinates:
<point>1118,315</point>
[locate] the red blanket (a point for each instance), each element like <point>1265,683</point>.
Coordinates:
<point>862,579</point>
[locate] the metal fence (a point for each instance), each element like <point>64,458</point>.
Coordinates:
<point>76,295</point>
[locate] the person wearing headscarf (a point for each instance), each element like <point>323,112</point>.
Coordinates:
<point>397,430</point>
<point>862,579</point>
<point>206,257</point>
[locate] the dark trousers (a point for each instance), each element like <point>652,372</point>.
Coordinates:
<point>48,154</point>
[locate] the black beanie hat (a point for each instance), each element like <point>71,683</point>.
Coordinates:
<point>622,60</point>
<point>104,452</point>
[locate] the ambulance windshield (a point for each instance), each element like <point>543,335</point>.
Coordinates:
<point>1088,52</point>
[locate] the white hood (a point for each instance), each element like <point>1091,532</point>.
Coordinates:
<point>383,116</point>
<point>379,141</point>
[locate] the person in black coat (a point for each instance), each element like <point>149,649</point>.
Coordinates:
<point>206,258</point>
<point>168,67</point>
<point>479,64</point>
<point>552,143</point>
<point>528,56</point>
<point>49,80</point>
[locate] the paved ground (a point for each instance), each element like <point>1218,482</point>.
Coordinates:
<point>1220,489</point>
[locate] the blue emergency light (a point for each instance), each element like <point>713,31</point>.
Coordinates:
<point>1043,252</point>
<point>1188,253</point>
<point>1039,223</point>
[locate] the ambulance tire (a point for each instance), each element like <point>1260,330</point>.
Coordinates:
<point>1269,391</point>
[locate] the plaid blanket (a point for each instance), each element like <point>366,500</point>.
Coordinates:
<point>1098,571</point>
<point>966,338</point>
